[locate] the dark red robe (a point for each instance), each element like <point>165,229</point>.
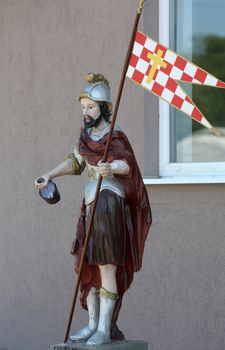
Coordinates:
<point>138,214</point>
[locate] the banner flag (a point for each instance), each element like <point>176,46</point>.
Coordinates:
<point>157,69</point>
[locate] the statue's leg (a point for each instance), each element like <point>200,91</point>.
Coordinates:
<point>108,296</point>
<point>93,310</point>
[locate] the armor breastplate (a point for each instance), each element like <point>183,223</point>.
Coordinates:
<point>108,183</point>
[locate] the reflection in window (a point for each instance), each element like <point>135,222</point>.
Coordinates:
<point>197,32</point>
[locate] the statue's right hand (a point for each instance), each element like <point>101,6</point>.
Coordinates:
<point>42,181</point>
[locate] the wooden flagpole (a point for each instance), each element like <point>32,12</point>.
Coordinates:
<point>120,89</point>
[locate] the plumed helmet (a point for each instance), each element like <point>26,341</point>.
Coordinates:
<point>97,89</point>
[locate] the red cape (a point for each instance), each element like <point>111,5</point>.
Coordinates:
<point>135,190</point>
<point>139,216</point>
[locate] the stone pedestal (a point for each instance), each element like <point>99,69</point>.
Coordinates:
<point>118,345</point>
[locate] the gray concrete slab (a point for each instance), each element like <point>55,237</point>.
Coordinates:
<point>124,345</point>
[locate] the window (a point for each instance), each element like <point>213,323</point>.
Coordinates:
<point>195,29</point>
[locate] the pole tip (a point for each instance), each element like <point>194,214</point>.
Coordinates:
<point>140,6</point>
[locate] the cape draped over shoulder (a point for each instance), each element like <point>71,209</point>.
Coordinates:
<point>138,214</point>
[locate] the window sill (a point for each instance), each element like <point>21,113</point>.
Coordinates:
<point>184,180</point>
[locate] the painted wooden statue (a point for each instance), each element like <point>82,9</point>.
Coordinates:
<point>122,218</point>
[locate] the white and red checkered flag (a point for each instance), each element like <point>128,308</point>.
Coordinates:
<point>157,69</point>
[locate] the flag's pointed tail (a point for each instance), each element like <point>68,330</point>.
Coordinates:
<point>220,84</point>
<point>181,101</point>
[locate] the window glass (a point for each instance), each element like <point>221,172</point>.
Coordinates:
<point>197,32</point>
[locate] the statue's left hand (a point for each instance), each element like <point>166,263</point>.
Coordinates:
<point>104,169</point>
<point>116,167</point>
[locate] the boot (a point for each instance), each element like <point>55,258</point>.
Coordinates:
<point>93,310</point>
<point>107,303</point>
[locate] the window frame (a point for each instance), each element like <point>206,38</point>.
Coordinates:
<point>174,173</point>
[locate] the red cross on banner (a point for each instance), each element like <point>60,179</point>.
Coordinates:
<point>157,69</point>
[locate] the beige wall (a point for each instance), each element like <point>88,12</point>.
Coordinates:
<point>177,300</point>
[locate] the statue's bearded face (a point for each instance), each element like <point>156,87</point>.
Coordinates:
<point>91,112</point>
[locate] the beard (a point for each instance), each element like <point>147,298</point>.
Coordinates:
<point>92,122</point>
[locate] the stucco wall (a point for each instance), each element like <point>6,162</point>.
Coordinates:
<point>177,300</point>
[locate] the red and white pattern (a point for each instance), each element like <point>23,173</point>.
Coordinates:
<point>163,82</point>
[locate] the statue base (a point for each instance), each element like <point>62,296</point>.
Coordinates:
<point>116,345</point>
